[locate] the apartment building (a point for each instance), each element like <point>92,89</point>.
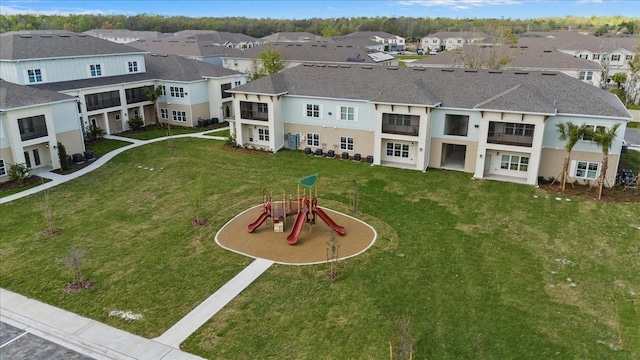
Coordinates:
<point>489,123</point>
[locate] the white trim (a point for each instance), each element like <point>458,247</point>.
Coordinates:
<point>102,72</point>
<point>3,167</point>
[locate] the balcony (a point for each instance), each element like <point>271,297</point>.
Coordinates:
<point>400,124</point>
<point>514,134</point>
<point>509,139</point>
<point>254,115</point>
<point>410,130</point>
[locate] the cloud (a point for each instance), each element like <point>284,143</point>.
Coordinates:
<point>17,9</point>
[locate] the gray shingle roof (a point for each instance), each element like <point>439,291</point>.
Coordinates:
<point>16,96</point>
<point>536,92</point>
<point>21,45</point>
<point>534,55</point>
<point>313,51</point>
<point>293,36</point>
<point>168,68</point>
<point>191,46</point>
<point>219,37</point>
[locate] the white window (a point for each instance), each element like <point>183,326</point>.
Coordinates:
<point>164,90</point>
<point>346,143</point>
<point>628,57</point>
<point>312,110</point>
<point>3,169</point>
<point>519,129</point>
<point>615,57</point>
<point>237,83</point>
<point>586,170</point>
<point>586,75</point>
<point>263,134</point>
<point>594,128</point>
<point>313,139</point>
<point>596,56</point>
<point>95,70</point>
<point>398,150</point>
<point>34,76</point>
<point>133,66</point>
<point>164,113</point>
<point>179,116</point>
<point>176,91</point>
<point>514,162</point>
<point>347,113</point>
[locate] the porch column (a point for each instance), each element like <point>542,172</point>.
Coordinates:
<point>53,153</point>
<point>105,118</point>
<point>482,154</point>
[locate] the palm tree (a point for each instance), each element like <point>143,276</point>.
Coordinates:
<point>570,133</point>
<point>153,95</point>
<point>604,138</point>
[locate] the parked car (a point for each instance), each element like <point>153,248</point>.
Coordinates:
<point>434,52</point>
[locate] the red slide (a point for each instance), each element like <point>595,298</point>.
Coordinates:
<point>337,228</point>
<point>254,225</point>
<point>297,226</point>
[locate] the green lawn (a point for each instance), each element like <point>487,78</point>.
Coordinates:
<point>103,146</point>
<point>154,133</point>
<point>482,269</point>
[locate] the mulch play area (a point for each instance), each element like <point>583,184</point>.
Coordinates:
<point>312,244</point>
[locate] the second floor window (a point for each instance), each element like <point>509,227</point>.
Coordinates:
<point>96,70</point>
<point>586,75</point>
<point>34,75</point>
<point>133,66</point>
<point>615,57</point>
<point>313,110</point>
<point>164,90</point>
<point>176,91</point>
<point>223,89</point>
<point>594,128</point>
<point>347,113</point>
<point>628,57</point>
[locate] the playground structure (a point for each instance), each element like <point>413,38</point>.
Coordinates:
<point>305,211</point>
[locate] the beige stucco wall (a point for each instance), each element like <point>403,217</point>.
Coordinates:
<point>552,160</point>
<point>199,111</point>
<point>435,155</point>
<point>362,140</point>
<point>72,141</point>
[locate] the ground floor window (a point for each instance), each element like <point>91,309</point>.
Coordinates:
<point>514,162</point>
<point>313,139</point>
<point>587,170</point>
<point>263,134</point>
<point>3,169</point>
<point>346,143</point>
<point>164,113</point>
<point>179,116</point>
<point>398,150</point>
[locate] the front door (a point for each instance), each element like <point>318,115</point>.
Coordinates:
<point>27,160</point>
<point>487,163</point>
<point>293,141</point>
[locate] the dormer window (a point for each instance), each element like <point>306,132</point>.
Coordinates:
<point>95,70</point>
<point>132,66</point>
<point>34,76</point>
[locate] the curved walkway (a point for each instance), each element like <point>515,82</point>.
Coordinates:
<point>101,341</point>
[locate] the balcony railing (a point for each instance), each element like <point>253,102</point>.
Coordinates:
<point>37,132</point>
<point>411,130</point>
<point>509,139</point>
<point>254,115</point>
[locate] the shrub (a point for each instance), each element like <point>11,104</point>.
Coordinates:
<point>62,156</point>
<point>136,123</point>
<point>231,141</point>
<point>94,132</point>
<point>19,172</point>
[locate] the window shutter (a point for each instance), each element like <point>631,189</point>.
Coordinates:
<point>572,168</point>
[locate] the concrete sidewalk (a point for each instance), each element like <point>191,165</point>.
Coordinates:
<point>205,311</point>
<point>80,334</point>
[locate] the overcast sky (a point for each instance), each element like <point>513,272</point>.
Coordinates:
<point>304,9</point>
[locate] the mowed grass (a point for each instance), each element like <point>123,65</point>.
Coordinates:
<point>482,269</point>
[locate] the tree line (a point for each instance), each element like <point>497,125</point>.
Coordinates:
<point>410,28</point>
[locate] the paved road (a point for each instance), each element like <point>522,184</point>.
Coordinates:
<point>16,344</point>
<point>632,137</point>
